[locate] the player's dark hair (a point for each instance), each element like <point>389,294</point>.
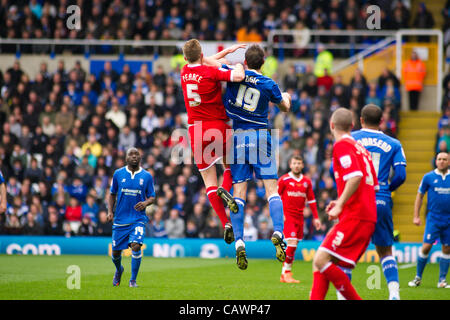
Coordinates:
<point>371,114</point>
<point>254,56</point>
<point>192,50</point>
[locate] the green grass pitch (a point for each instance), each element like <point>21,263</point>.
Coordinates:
<point>46,277</point>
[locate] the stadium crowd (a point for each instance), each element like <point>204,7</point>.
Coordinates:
<point>65,131</point>
<point>241,20</point>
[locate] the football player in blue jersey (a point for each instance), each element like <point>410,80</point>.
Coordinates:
<point>437,184</point>
<point>253,150</point>
<point>131,191</point>
<point>387,155</point>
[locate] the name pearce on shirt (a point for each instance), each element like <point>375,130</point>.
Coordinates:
<point>192,77</point>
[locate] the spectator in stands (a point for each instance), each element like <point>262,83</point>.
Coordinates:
<point>324,60</point>
<point>53,227</point>
<point>423,20</point>
<point>87,227</point>
<point>413,73</point>
<point>212,229</point>
<point>174,225</point>
<point>104,227</point>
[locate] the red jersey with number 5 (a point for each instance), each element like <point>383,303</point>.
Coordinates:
<point>202,92</point>
<point>351,159</point>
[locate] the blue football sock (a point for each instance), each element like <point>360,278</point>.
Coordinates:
<point>136,257</point>
<point>117,261</point>
<point>443,266</point>
<point>421,263</point>
<point>390,269</point>
<point>237,220</point>
<point>276,212</point>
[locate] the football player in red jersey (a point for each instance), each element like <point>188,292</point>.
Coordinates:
<point>207,121</point>
<point>355,208</point>
<point>296,191</point>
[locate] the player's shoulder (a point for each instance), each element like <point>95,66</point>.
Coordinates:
<point>285,177</point>
<point>119,171</point>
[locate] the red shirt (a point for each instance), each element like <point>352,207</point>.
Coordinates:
<point>295,193</point>
<point>351,159</point>
<point>202,92</point>
<point>73,213</point>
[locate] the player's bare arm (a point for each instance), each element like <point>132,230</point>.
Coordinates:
<point>334,208</point>
<point>140,206</point>
<point>285,104</point>
<point>417,206</point>
<point>219,58</point>
<point>111,203</point>
<point>2,198</point>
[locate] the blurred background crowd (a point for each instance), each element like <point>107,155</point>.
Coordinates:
<point>241,20</point>
<point>65,131</point>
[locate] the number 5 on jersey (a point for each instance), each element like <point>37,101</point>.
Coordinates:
<point>193,96</point>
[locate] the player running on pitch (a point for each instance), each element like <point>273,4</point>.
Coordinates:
<point>207,121</point>
<point>437,184</point>
<point>247,104</point>
<point>131,191</point>
<point>296,191</point>
<point>387,153</point>
<point>355,208</point>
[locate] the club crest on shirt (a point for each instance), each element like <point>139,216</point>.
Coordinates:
<point>141,182</point>
<point>345,161</point>
<point>123,180</point>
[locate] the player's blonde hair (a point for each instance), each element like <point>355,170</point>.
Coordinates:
<point>192,50</point>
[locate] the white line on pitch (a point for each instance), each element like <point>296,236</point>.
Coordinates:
<point>406,266</point>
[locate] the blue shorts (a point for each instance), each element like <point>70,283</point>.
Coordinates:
<point>124,235</point>
<point>384,229</point>
<point>435,228</point>
<point>253,152</point>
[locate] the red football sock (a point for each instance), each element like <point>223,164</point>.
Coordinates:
<point>341,282</point>
<point>320,286</point>
<point>290,254</point>
<point>217,204</point>
<point>227,182</point>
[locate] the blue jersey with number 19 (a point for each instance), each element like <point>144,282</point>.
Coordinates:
<point>247,102</point>
<point>386,153</point>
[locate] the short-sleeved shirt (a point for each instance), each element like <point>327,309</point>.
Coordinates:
<point>438,187</point>
<point>202,92</point>
<point>350,159</point>
<point>130,189</point>
<point>295,194</point>
<point>386,153</point>
<point>247,102</point>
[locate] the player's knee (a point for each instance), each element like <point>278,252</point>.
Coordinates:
<point>446,249</point>
<point>116,253</point>
<point>292,242</point>
<point>320,260</point>
<point>135,246</point>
